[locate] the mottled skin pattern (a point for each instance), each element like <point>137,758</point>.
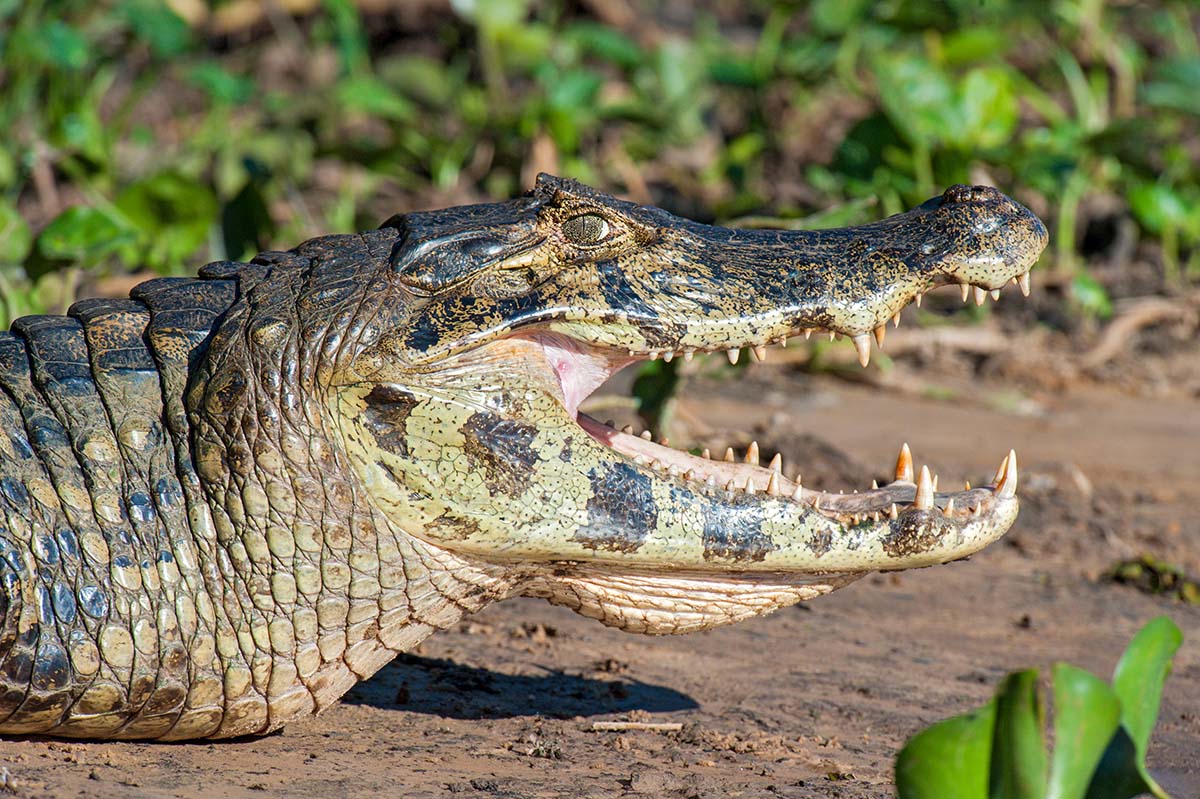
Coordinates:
<point>227,499</point>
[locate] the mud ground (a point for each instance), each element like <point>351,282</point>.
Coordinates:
<point>812,701</point>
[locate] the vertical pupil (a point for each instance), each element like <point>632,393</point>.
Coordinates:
<point>586,229</point>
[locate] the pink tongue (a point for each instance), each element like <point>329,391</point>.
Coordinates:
<point>580,370</point>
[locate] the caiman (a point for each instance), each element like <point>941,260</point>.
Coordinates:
<point>228,499</point>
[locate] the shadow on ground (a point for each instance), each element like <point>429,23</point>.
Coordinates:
<point>442,687</point>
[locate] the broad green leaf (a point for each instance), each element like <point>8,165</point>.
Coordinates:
<point>950,759</point>
<point>989,108</point>
<point>158,26</point>
<point>1018,762</point>
<point>1158,206</point>
<point>1091,296</point>
<point>15,236</point>
<point>173,215</point>
<point>62,45</point>
<point>84,234</point>
<point>918,97</point>
<point>221,84</point>
<point>371,96</point>
<point>1138,683</point>
<point>1086,715</point>
<point>833,17</point>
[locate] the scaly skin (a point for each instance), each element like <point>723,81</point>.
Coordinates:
<point>228,499</point>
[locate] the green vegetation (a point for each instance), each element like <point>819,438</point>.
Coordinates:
<point>1154,576</point>
<point>138,140</point>
<point>1101,733</point>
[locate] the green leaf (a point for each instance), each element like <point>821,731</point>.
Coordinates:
<point>1138,683</point>
<point>1086,714</point>
<point>989,108</point>
<point>84,234</point>
<point>221,84</point>
<point>173,215</point>
<point>158,26</point>
<point>371,96</point>
<point>1158,206</point>
<point>950,759</point>
<point>15,236</point>
<point>1091,296</point>
<point>1018,763</point>
<point>918,97</point>
<point>62,45</point>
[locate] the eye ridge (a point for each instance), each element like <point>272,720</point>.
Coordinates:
<point>586,229</point>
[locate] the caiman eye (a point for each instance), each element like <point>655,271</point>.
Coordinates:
<point>586,229</point>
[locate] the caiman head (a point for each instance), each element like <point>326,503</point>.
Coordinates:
<point>460,411</point>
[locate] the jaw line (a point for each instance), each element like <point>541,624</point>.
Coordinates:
<point>581,368</point>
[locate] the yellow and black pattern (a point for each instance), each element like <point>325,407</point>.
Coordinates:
<point>227,499</point>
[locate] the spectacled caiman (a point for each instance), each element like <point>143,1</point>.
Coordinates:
<point>228,499</point>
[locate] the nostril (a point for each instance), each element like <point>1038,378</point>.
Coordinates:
<point>960,193</point>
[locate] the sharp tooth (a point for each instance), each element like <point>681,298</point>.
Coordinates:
<point>862,343</point>
<point>749,487</point>
<point>832,335</point>
<point>688,355</point>
<point>920,296</point>
<point>995,294</point>
<point>760,353</point>
<point>729,486</point>
<point>965,290</point>
<point>729,456</point>
<point>1023,284</point>
<point>807,333</point>
<point>935,484</point>
<point>673,470</point>
<point>874,484</point>
<point>924,497</point>
<point>798,494</point>
<point>1000,471</point>
<point>733,356</point>
<point>646,435</point>
<point>752,453</point>
<point>668,357</point>
<point>977,511</point>
<point>893,512</point>
<point>773,484</point>
<point>654,356</point>
<point>896,319</point>
<point>980,295</point>
<point>1007,488</point>
<point>776,464</point>
<point>627,429</point>
<point>641,460</point>
<point>949,509</point>
<point>816,503</point>
<point>966,485</point>
<point>690,474</point>
<point>706,454</point>
<point>666,442</point>
<point>796,479</point>
<point>880,335</point>
<point>783,341</point>
<point>711,481</point>
<point>904,465</point>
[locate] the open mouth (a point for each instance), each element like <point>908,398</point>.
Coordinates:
<point>581,368</point>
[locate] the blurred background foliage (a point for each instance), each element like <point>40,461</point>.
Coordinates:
<point>148,137</point>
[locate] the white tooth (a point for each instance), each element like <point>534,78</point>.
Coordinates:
<point>874,485</point>
<point>641,460</point>
<point>733,356</point>
<point>995,294</point>
<point>880,334</point>
<point>1023,284</point>
<point>862,343</point>
<point>646,435</point>
<point>690,474</point>
<point>668,357</point>
<point>980,295</point>
<point>729,486</point>
<point>924,497</point>
<point>749,487</point>
<point>773,484</point>
<point>904,465</point>
<point>627,429</point>
<point>729,456</point>
<point>688,355</point>
<point>776,464</point>
<point>654,356</point>
<point>977,510</point>
<point>752,453</point>
<point>832,335</point>
<point>808,331</point>
<point>876,517</point>
<point>935,484</point>
<point>1007,488</point>
<point>666,442</point>
<point>893,512</point>
<point>706,454</point>
<point>783,341</point>
<point>949,509</point>
<point>896,319</point>
<point>918,299</point>
<point>711,481</point>
<point>966,485</point>
<point>796,479</point>
<point>798,494</point>
<point>965,290</point>
<point>760,353</point>
<point>1000,471</point>
<point>673,470</point>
